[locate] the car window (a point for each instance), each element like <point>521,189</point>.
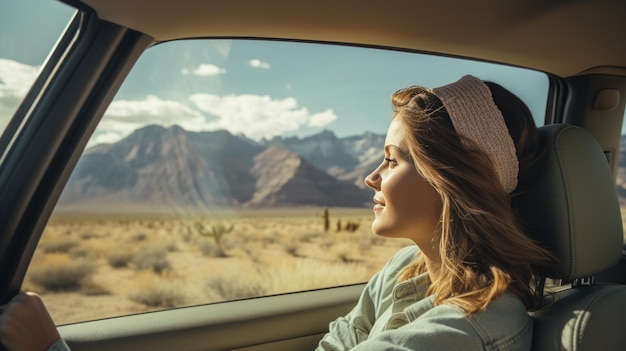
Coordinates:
<point>28,31</point>
<point>229,169</point>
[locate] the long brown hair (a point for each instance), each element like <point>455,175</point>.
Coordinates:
<point>482,247</point>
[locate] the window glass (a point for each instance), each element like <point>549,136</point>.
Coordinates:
<point>28,31</point>
<point>228,169</point>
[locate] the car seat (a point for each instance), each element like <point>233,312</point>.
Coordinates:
<point>569,204</point>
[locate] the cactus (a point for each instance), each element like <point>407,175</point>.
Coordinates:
<point>352,226</point>
<point>217,232</point>
<point>326,220</point>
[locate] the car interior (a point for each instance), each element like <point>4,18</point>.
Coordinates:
<point>570,201</point>
<point>575,213</point>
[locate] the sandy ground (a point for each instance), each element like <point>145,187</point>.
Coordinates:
<point>97,267</point>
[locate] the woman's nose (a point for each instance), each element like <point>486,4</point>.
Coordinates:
<point>373,180</point>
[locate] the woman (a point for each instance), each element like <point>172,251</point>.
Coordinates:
<point>453,156</point>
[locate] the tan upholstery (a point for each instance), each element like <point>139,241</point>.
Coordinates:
<point>570,205</point>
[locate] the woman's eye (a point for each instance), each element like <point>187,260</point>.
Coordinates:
<point>392,161</point>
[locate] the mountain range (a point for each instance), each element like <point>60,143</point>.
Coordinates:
<point>174,168</point>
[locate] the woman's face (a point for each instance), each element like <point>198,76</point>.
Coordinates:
<point>406,205</point>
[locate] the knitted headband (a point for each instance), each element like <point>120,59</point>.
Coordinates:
<point>476,117</point>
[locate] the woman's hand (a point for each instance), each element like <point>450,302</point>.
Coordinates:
<point>26,325</point>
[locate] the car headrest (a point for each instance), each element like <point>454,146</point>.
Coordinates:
<point>569,203</point>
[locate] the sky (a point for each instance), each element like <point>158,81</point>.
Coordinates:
<point>260,89</point>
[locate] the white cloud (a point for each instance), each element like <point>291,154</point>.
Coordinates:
<point>15,80</point>
<point>252,115</point>
<point>322,119</point>
<point>257,116</point>
<point>205,70</point>
<point>107,137</point>
<point>124,116</point>
<point>256,63</point>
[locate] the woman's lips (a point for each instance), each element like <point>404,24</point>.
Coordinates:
<point>378,205</point>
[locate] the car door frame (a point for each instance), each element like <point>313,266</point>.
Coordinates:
<point>50,129</point>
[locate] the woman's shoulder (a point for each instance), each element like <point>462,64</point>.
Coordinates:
<point>504,324</point>
<point>508,307</point>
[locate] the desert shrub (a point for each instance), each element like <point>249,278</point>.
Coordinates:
<point>158,296</point>
<point>156,291</point>
<point>292,248</point>
<point>207,248</point>
<point>152,257</point>
<point>82,252</point>
<point>139,237</point>
<point>270,240</point>
<point>343,252</point>
<point>230,287</point>
<point>187,236</point>
<point>253,252</point>
<point>120,258</point>
<point>217,231</point>
<point>57,272</point>
<point>229,244</point>
<point>172,246</point>
<point>309,237</point>
<point>59,245</point>
<point>90,288</point>
<point>87,236</point>
<point>351,226</point>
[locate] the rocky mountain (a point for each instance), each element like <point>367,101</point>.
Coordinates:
<point>171,167</point>
<point>283,177</point>
<point>348,158</point>
<point>174,168</point>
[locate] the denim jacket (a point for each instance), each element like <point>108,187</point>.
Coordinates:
<point>398,316</point>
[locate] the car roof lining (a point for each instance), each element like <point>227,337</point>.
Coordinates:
<point>561,37</point>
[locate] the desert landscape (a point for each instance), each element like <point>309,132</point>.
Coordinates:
<point>92,267</point>
<point>168,218</point>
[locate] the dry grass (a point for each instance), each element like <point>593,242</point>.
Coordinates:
<point>59,245</point>
<point>305,274</point>
<point>225,287</point>
<point>58,272</point>
<point>120,258</point>
<point>115,266</point>
<point>153,290</point>
<point>152,257</point>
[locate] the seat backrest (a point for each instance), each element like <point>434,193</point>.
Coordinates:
<point>570,206</point>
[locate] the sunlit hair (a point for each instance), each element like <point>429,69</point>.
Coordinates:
<point>483,250</point>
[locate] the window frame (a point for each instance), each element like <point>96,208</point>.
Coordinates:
<point>51,128</point>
